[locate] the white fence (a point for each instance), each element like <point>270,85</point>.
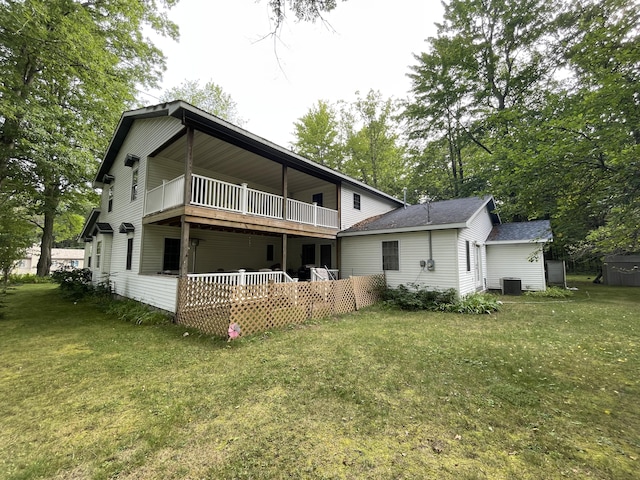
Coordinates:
<point>208,192</point>
<point>241,277</point>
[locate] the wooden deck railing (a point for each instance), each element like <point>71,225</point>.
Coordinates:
<point>212,193</point>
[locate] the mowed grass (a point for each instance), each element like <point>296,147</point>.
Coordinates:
<point>542,389</point>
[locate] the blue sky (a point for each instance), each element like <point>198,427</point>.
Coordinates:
<point>364,44</point>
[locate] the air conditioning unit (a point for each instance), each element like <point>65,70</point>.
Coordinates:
<point>511,286</point>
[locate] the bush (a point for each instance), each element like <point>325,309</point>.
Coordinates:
<point>75,283</point>
<point>475,303</point>
<point>415,297</point>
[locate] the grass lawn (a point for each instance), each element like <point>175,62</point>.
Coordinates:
<point>546,388</point>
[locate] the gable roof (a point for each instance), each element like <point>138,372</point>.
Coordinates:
<point>211,125</point>
<point>455,213</point>
<point>521,232</point>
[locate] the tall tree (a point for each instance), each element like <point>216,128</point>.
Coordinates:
<point>210,98</point>
<point>318,137</point>
<point>67,70</point>
<point>373,151</point>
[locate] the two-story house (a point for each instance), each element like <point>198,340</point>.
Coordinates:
<point>185,193</point>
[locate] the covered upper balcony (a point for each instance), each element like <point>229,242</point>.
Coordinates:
<point>214,181</point>
<point>212,193</point>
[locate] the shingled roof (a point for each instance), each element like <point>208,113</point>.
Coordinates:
<point>519,232</point>
<point>454,213</point>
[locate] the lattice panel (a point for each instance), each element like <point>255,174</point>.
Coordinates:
<point>205,306</point>
<point>345,299</point>
<point>213,307</point>
<point>367,290</point>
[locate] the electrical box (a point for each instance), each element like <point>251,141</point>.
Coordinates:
<point>511,286</point>
<point>431,264</point>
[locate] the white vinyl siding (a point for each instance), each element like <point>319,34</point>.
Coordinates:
<point>145,136</point>
<point>512,260</point>
<point>370,206</point>
<point>479,228</point>
<point>362,255</point>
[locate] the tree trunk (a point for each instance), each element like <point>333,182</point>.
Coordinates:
<point>50,207</point>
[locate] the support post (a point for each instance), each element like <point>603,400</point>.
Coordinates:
<point>315,214</point>
<point>188,170</point>
<point>284,191</point>
<point>284,252</point>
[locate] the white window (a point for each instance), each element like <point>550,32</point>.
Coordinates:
<point>98,253</point>
<point>134,184</point>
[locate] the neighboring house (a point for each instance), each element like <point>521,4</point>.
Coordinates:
<point>60,258</point>
<point>459,244</point>
<point>188,195</point>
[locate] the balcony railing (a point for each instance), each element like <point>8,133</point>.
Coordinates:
<point>211,193</point>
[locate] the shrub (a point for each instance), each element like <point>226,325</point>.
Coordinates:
<point>474,303</point>
<point>415,297</point>
<point>75,283</point>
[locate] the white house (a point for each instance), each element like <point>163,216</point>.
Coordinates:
<point>188,195</point>
<point>60,258</point>
<point>459,244</point>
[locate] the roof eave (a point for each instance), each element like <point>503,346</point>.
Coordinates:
<point>422,228</point>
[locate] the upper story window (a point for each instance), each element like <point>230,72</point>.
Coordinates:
<point>134,184</point>
<point>110,198</point>
<point>356,201</point>
<point>390,256</point>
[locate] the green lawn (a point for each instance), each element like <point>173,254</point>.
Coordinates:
<point>543,389</point>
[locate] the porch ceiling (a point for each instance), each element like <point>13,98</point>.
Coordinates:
<point>216,155</point>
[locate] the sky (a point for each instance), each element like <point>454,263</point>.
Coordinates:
<point>362,45</point>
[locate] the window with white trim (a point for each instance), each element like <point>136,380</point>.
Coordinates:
<point>390,256</point>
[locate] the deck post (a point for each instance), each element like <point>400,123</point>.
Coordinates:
<point>243,278</point>
<point>315,214</point>
<point>284,191</point>
<point>284,252</point>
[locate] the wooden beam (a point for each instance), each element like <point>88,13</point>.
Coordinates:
<point>284,252</point>
<point>284,190</point>
<point>188,167</point>
<point>184,248</point>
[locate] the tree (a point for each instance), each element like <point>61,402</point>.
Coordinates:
<point>16,234</point>
<point>318,137</point>
<point>210,98</point>
<point>68,69</point>
<point>373,152</point>
<point>304,10</point>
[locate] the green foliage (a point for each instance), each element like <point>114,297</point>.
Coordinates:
<point>75,283</point>
<point>210,97</point>
<point>474,304</point>
<point>363,143</point>
<point>68,69</point>
<point>317,136</point>
<point>416,297</point>
<point>550,292</point>
<point>135,312</point>
<point>16,234</point>
<point>489,114</point>
<point>28,278</point>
